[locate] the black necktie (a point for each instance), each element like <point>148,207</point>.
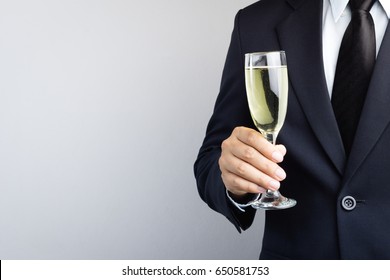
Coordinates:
<point>354,68</point>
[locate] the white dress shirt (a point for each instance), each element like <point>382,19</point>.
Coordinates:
<point>336,17</point>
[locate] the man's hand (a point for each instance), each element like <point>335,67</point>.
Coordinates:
<point>249,163</point>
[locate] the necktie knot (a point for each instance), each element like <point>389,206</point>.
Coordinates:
<point>364,5</point>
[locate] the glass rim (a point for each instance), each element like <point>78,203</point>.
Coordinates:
<point>263,53</point>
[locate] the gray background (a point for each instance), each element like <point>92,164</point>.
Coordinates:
<point>103,107</point>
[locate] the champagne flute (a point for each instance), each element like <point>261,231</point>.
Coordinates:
<point>266,83</point>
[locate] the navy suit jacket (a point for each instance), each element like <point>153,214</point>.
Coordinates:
<point>319,175</point>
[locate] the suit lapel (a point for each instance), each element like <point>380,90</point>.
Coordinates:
<point>300,36</point>
<point>376,111</point>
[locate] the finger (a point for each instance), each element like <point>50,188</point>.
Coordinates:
<point>240,186</point>
<point>251,156</point>
<point>249,173</point>
<point>256,140</point>
<point>282,149</point>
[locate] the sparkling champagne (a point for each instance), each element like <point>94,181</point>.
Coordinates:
<point>267,89</point>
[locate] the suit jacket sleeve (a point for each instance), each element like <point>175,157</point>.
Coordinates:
<point>231,110</point>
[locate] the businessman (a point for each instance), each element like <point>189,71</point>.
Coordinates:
<point>333,152</point>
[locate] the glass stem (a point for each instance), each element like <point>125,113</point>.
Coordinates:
<point>271,137</point>
<point>272,194</point>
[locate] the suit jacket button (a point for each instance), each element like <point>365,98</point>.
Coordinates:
<point>348,203</point>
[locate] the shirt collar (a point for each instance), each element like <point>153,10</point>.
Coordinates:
<point>338,7</point>
<point>386,6</point>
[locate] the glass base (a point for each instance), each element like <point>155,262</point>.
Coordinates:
<point>273,201</point>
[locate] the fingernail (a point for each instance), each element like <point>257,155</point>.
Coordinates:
<point>280,174</point>
<point>274,185</point>
<point>261,190</point>
<point>277,156</point>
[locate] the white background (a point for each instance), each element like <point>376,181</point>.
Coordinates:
<point>103,107</point>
